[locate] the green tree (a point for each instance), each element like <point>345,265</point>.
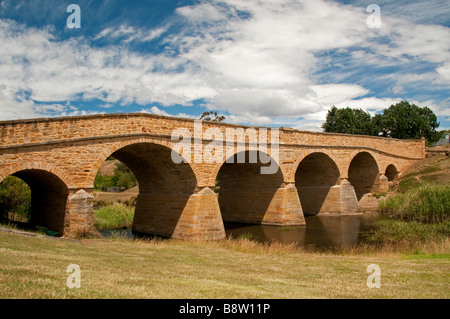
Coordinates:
<point>212,116</point>
<point>15,199</point>
<point>402,120</point>
<point>122,177</point>
<point>408,121</point>
<point>349,121</point>
<point>125,181</point>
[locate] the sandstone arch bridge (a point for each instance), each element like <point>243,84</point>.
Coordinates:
<point>316,173</point>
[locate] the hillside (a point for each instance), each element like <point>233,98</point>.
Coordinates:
<point>434,168</point>
<point>108,167</point>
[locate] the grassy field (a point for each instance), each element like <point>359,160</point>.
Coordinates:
<point>33,267</point>
<point>414,258</point>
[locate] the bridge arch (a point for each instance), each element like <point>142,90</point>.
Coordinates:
<point>315,175</point>
<point>391,172</point>
<point>109,149</point>
<point>49,194</point>
<point>244,194</point>
<point>363,171</point>
<point>248,196</point>
<point>164,186</point>
<point>35,165</point>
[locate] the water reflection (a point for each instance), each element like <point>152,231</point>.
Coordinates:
<point>321,231</point>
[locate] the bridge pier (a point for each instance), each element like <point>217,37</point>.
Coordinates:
<point>368,201</point>
<point>381,184</point>
<point>348,203</point>
<point>323,199</point>
<point>261,205</point>
<point>79,217</point>
<point>201,218</point>
<point>285,208</point>
<point>181,216</point>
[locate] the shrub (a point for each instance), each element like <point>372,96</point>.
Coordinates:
<point>15,199</point>
<point>114,216</point>
<point>411,233</point>
<point>424,203</point>
<point>123,177</point>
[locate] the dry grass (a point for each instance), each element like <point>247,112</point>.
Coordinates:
<point>108,167</point>
<point>32,267</point>
<point>430,169</point>
<point>111,198</point>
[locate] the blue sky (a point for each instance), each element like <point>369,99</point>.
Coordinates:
<point>258,62</point>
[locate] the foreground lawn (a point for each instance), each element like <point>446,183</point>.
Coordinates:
<point>32,267</point>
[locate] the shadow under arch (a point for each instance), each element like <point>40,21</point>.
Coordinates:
<point>48,198</point>
<point>362,173</point>
<point>246,195</point>
<point>391,172</point>
<point>164,187</point>
<point>314,177</point>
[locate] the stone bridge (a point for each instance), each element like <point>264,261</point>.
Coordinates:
<point>314,172</point>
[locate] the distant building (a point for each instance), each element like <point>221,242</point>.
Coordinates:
<point>444,139</point>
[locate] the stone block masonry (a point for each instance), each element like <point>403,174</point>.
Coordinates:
<point>317,173</point>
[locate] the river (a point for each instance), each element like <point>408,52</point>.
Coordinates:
<point>321,231</point>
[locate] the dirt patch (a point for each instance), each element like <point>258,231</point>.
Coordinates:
<point>116,197</point>
<point>108,167</point>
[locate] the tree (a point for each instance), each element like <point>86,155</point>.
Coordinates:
<point>15,199</point>
<point>408,121</point>
<point>349,121</point>
<point>212,116</point>
<point>402,120</point>
<point>123,177</point>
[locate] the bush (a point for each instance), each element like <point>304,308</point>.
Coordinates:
<point>123,178</point>
<point>15,200</point>
<point>424,203</point>
<point>411,233</point>
<point>114,216</point>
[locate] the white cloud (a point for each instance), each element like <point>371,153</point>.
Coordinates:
<point>32,61</point>
<point>444,72</point>
<point>202,13</point>
<point>158,111</point>
<point>129,33</point>
<point>155,110</point>
<point>261,61</point>
<point>327,94</point>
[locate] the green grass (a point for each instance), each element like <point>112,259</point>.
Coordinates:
<point>114,216</point>
<point>247,235</point>
<point>401,233</point>
<point>430,169</point>
<point>412,248</point>
<point>417,215</point>
<point>407,183</point>
<point>32,267</point>
<point>425,202</point>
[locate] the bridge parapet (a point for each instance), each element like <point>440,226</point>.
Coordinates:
<point>18,133</point>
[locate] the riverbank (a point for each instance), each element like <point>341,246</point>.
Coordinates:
<point>416,209</point>
<point>35,267</point>
<point>414,214</point>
